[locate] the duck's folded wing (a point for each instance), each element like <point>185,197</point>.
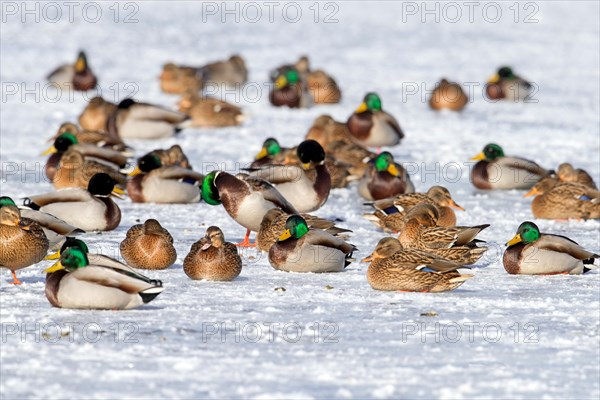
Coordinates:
<point>70,195</point>
<point>175,172</point>
<point>113,277</point>
<point>393,123</point>
<point>466,234</point>
<point>522,164</point>
<point>102,153</point>
<point>152,112</point>
<point>278,174</point>
<point>321,238</point>
<point>563,245</point>
<point>51,222</point>
<point>269,192</point>
<point>419,259</point>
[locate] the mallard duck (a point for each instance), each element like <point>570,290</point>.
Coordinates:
<point>75,170</point>
<point>390,212</point>
<point>300,249</point>
<point>326,130</point>
<point>505,84</point>
<point>273,225</point>
<point>353,154</point>
<point>89,210</point>
<point>55,229</point>
<point>96,138</point>
<point>212,258</point>
<point>384,178</point>
<point>208,112</point>
<point>73,282</point>
<point>176,79</point>
<point>420,231</point>
<point>448,95</point>
<point>566,173</point>
<point>110,161</point>
<point>134,120</point>
<point>23,242</point>
<point>289,90</point>
<point>270,153</point>
<point>530,252</point>
<point>148,246</point>
<point>78,76</point>
<point>497,171</point>
<point>295,184</point>
<point>245,198</point>
<point>151,182</point>
<point>395,269</point>
<point>173,156</point>
<point>555,200</point>
<point>96,114</point>
<point>370,126</point>
<point>230,72</point>
<point>323,88</point>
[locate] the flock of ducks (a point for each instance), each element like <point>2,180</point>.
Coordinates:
<point>274,196</point>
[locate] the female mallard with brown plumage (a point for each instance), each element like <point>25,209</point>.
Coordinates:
<point>497,171</point>
<point>208,112</point>
<point>530,252</point>
<point>555,200</point>
<point>448,95</point>
<point>212,258</point>
<point>273,225</point>
<point>395,269</point>
<point>245,198</point>
<point>300,249</point>
<point>384,178</point>
<point>78,76</point>
<point>176,79</point>
<point>151,182</point>
<point>96,113</point>
<point>371,126</point>
<point>89,210</point>
<point>148,246</point>
<point>74,282</point>
<point>230,72</point>
<point>390,212</point>
<point>566,173</point>
<point>23,242</point>
<point>326,130</point>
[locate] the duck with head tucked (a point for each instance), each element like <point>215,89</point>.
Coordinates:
<point>448,95</point>
<point>212,258</point>
<point>531,252</point>
<point>384,178</point>
<point>561,201</point>
<point>494,170</point>
<point>89,210</point>
<point>23,243</point>
<point>371,126</point>
<point>300,249</point>
<point>207,112</point>
<point>95,115</point>
<point>74,282</point>
<point>506,85</point>
<point>148,246</point>
<point>566,173</point>
<point>78,76</point>
<point>245,198</point>
<point>395,269</point>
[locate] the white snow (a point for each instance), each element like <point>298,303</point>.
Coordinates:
<point>497,336</point>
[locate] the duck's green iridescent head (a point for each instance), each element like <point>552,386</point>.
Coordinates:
<point>528,232</point>
<point>6,201</point>
<point>149,162</point>
<point>371,102</point>
<point>210,193</point>
<point>506,73</point>
<point>385,162</point>
<point>69,243</point>
<point>295,227</point>
<point>289,77</point>
<point>71,259</point>
<point>61,143</point>
<point>270,148</point>
<point>490,152</point>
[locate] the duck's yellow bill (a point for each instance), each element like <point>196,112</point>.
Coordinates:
<point>494,79</point>
<point>362,108</point>
<point>56,267</point>
<point>479,156</point>
<point>306,165</point>
<point>280,82</point>
<point>79,65</point>
<point>53,256</point>
<point>118,193</point>
<point>456,206</point>
<point>50,150</point>
<point>262,154</point>
<point>136,171</point>
<point>393,170</point>
<point>285,235</point>
<point>515,240</point>
<point>532,192</point>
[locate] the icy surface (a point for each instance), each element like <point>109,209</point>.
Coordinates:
<point>498,336</point>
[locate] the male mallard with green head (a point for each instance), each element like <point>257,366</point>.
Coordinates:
<point>384,178</point>
<point>371,126</point>
<point>505,84</point>
<point>78,76</point>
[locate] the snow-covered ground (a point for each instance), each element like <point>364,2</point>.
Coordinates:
<point>498,336</point>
